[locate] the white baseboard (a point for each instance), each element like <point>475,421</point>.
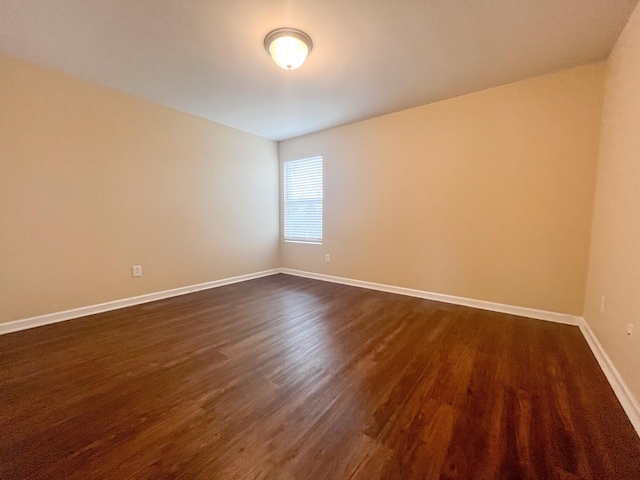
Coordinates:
<point>40,320</point>
<point>620,388</point>
<point>440,297</point>
<point>32,322</point>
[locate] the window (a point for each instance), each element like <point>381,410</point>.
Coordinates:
<point>303,200</point>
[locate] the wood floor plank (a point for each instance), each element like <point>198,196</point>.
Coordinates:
<point>289,378</point>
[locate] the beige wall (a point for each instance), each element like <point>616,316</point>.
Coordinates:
<point>614,267</point>
<point>93,181</point>
<point>486,196</point>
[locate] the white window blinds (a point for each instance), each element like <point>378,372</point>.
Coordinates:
<point>303,200</point>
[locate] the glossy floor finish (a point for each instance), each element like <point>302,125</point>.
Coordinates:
<point>289,378</point>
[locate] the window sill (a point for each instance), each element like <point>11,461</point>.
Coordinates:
<point>303,241</point>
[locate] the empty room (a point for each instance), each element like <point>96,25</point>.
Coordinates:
<point>306,239</point>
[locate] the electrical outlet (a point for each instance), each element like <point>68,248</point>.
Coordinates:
<point>629,329</point>
<point>137,270</point>
<point>327,258</point>
<point>602,304</point>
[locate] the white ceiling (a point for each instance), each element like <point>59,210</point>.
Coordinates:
<point>370,57</point>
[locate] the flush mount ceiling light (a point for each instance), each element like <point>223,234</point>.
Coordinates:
<point>288,47</point>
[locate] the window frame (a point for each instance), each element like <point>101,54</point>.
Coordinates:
<point>285,202</point>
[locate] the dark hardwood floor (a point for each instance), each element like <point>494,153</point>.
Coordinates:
<point>289,378</point>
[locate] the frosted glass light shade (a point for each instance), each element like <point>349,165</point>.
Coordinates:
<point>288,47</point>
<point>288,52</point>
